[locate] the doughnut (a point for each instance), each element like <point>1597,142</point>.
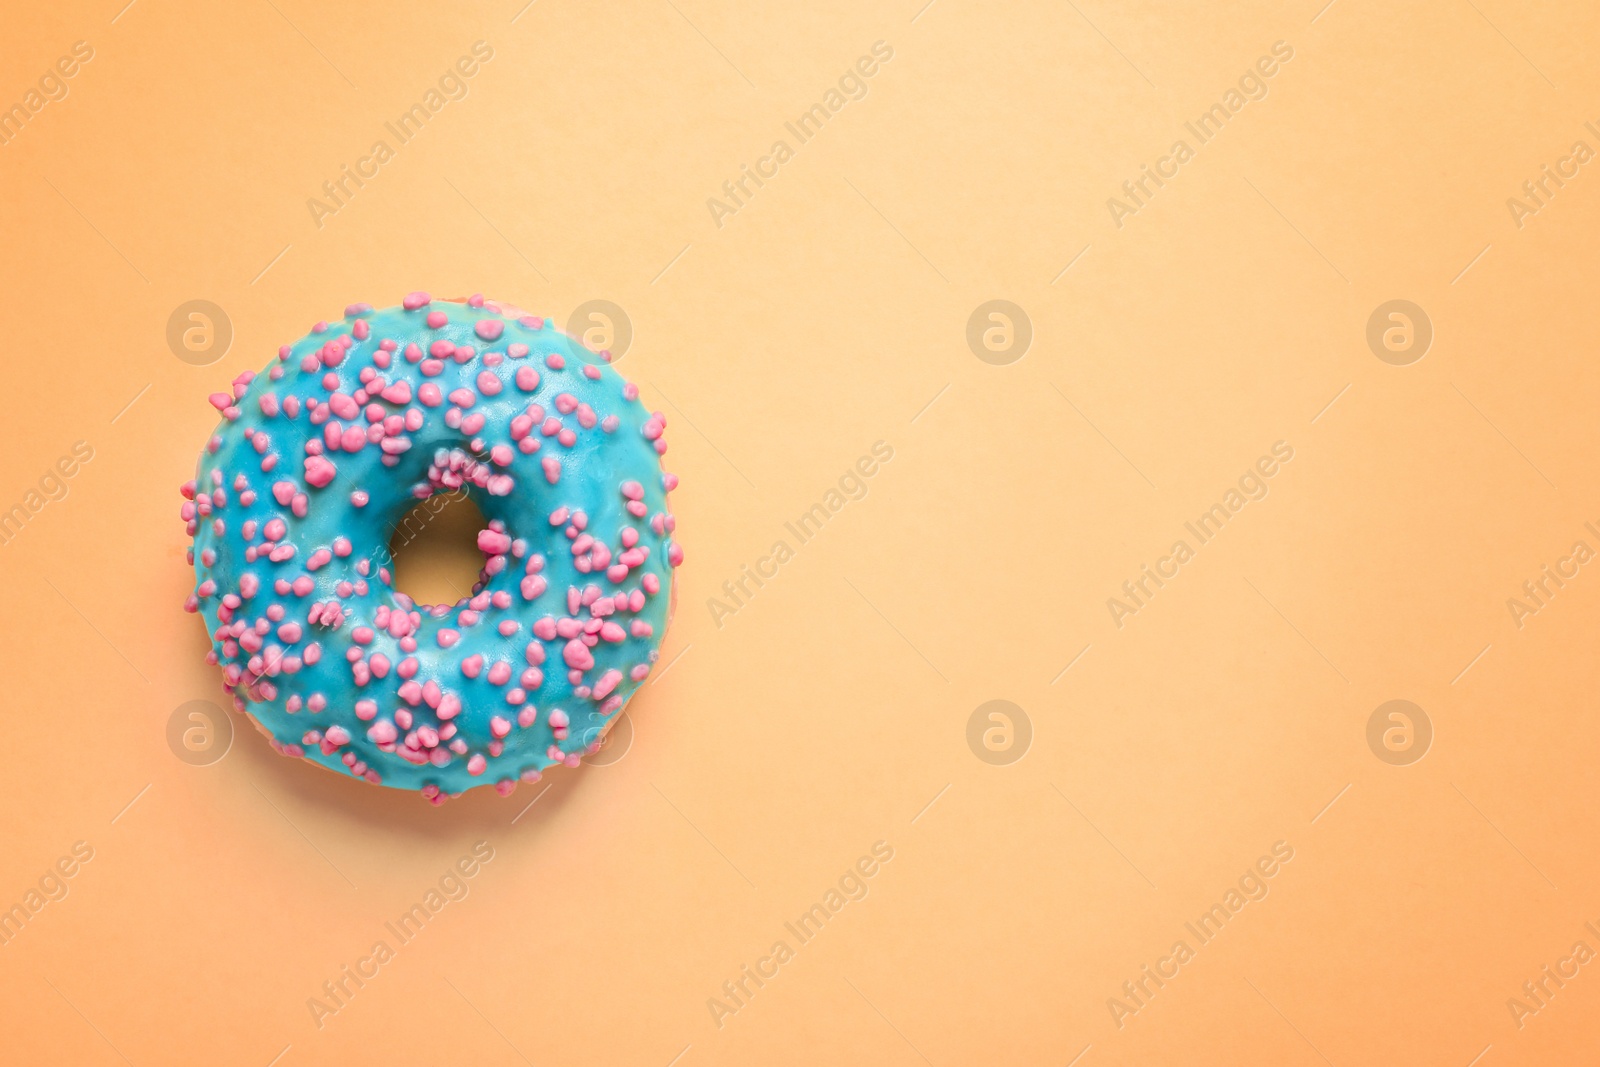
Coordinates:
<point>317,460</point>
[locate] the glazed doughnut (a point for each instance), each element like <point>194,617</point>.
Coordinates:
<point>319,458</point>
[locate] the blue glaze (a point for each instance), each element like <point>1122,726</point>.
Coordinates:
<point>276,676</point>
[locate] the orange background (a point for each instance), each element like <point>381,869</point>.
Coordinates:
<point>831,711</point>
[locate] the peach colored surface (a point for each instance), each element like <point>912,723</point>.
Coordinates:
<point>1227,503</point>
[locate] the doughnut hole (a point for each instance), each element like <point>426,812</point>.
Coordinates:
<point>434,549</point>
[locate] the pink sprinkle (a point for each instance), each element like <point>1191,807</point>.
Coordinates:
<point>493,543</point>
<point>488,383</point>
<point>527,379</point>
<point>448,637</point>
<point>319,472</point>
<point>476,764</point>
<point>489,329</point>
<point>576,654</point>
<point>606,684</point>
<point>415,300</point>
<point>437,319</point>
